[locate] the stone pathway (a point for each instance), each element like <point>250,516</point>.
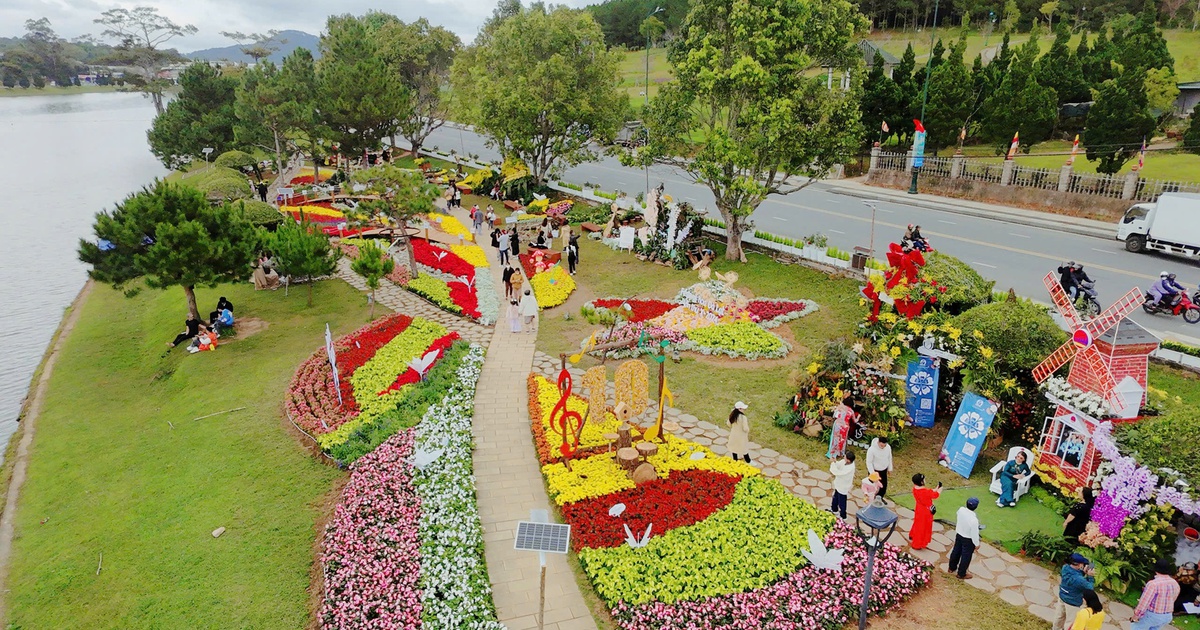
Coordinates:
<point>1012,579</point>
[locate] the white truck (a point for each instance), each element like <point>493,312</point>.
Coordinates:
<point>1171,225</point>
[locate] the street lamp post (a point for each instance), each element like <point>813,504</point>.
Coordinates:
<point>912,187</point>
<point>646,94</point>
<point>875,523</point>
<point>871,205</point>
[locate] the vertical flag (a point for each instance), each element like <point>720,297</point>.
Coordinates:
<point>968,433</point>
<point>1074,151</point>
<point>918,144</point>
<point>1012,150</point>
<point>885,127</point>
<point>1142,154</point>
<point>920,395</point>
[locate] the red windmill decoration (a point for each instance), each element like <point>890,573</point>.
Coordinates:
<point>1090,371</point>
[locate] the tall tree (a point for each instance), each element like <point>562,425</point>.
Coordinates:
<point>1097,66</point>
<point>372,263</point>
<point>882,101</point>
<point>360,99</point>
<point>741,118</point>
<point>302,251</point>
<point>542,99</point>
<point>298,81</point>
<point>263,110</point>
<point>141,32</point>
<point>41,40</point>
<point>170,235</point>
<point>1142,47</point>
<point>420,54</point>
<point>1019,103</point>
<point>1191,137</point>
<point>951,99</point>
<point>905,76</point>
<point>403,194</point>
<point>1117,124</point>
<point>257,46</point>
<point>202,116</point>
<point>1161,90</point>
<point>1062,71</point>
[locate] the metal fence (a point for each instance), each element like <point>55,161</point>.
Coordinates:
<point>981,171</point>
<point>1098,185</point>
<point>1043,178</point>
<point>892,162</point>
<point>939,166</point>
<point>1150,189</point>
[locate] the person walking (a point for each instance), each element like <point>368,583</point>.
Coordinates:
<point>572,254</point>
<point>507,275</point>
<point>502,245</point>
<point>529,309</point>
<point>514,316</point>
<point>922,526</point>
<point>1075,577</point>
<point>515,243</point>
<point>477,219</point>
<point>1157,603</point>
<point>879,459</point>
<point>966,539</point>
<point>517,281</point>
<point>739,432</point>
<point>1091,615</point>
<point>1079,516</point>
<point>842,470</point>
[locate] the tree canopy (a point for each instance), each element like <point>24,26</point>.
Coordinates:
<point>420,54</point>
<point>360,99</point>
<point>301,250</point>
<point>201,116</point>
<point>544,98</point>
<point>1117,125</point>
<point>170,235</point>
<point>403,195</point>
<point>741,107</point>
<point>140,34</point>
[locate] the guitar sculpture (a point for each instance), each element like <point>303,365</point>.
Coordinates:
<point>564,422</point>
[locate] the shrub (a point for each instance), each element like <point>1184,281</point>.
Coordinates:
<point>1169,441</point>
<point>1049,547</point>
<point>1021,333</point>
<point>237,160</point>
<point>219,183</point>
<point>261,214</point>
<point>1181,347</point>
<point>965,288</point>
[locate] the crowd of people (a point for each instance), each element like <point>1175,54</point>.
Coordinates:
<point>203,335</point>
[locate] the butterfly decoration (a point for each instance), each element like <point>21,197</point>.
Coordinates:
<point>821,557</point>
<point>616,510</point>
<point>638,543</point>
<point>423,457</point>
<point>421,365</point>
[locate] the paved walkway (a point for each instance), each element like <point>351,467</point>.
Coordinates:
<point>1012,579</point>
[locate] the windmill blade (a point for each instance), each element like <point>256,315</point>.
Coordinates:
<point>1106,384</point>
<point>1056,360</point>
<point>1115,313</point>
<point>1062,301</point>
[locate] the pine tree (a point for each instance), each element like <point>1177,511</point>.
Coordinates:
<point>882,101</point>
<point>372,264</point>
<point>1191,137</point>
<point>302,251</point>
<point>904,76</point>
<point>950,99</point>
<point>937,56</point>
<point>1020,104</point>
<point>1060,70</point>
<point>1097,66</point>
<point>403,195</point>
<point>1116,127</point>
<point>1143,47</point>
<point>361,100</point>
<point>201,116</point>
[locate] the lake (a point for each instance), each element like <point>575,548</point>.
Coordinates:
<point>64,159</point>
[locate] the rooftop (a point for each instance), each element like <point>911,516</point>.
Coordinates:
<point>1127,333</point>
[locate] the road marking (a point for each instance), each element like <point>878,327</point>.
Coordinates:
<point>885,210</point>
<point>779,218</point>
<point>836,231</point>
<point>976,262</point>
<point>945,221</point>
<point>1018,235</point>
<point>1104,251</point>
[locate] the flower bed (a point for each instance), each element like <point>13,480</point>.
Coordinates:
<point>552,287</point>
<point>473,254</point>
<point>444,260</point>
<point>435,290</point>
<point>538,261</point>
<point>772,313</point>
<point>739,340</point>
<point>313,214</point>
<point>543,395</point>
<point>450,225</point>
<point>639,310</point>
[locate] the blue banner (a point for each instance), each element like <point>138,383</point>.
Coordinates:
<point>920,392</point>
<point>968,433</point>
<point>918,149</point>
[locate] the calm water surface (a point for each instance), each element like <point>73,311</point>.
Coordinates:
<point>62,159</point>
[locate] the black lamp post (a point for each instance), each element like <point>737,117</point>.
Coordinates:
<point>876,523</point>
<point>912,187</point>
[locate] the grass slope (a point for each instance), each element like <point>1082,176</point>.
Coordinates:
<point>108,474</point>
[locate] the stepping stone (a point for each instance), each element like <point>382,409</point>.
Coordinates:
<point>981,584</point>
<point>944,539</point>
<point>981,571</point>
<point>820,474</point>
<point>1041,585</point>
<point>707,426</point>
<point>1013,597</point>
<point>988,551</point>
<point>926,555</point>
<point>1119,611</point>
<point>1005,580</point>
<point>1035,571</point>
<point>937,546</point>
<point>1046,613</point>
<point>1038,596</point>
<point>996,564</point>
<point>770,453</point>
<point>785,467</point>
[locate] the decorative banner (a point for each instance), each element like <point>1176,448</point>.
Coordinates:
<point>968,433</point>
<point>920,395</point>
<point>1074,151</point>
<point>918,145</point>
<point>337,386</point>
<point>1012,149</point>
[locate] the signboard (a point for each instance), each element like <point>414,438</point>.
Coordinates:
<point>920,391</point>
<point>968,433</point>
<point>511,220</point>
<point>919,149</point>
<point>332,363</point>
<point>286,192</point>
<point>625,240</point>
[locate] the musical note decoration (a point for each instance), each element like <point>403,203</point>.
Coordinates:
<point>655,432</point>
<point>587,347</point>
<point>565,423</point>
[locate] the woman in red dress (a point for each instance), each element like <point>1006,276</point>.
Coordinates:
<point>922,527</point>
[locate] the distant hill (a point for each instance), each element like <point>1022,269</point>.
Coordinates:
<point>291,41</point>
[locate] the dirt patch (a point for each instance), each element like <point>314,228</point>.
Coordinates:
<point>246,327</point>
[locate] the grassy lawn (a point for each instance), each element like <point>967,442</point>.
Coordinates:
<point>58,91</point>
<point>120,468</point>
<point>633,74</point>
<point>1003,525</point>
<point>1166,165</point>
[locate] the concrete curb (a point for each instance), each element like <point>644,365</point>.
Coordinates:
<point>1082,227</point>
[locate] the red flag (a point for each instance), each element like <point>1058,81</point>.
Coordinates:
<point>1012,150</point>
<point>919,127</point>
<point>1074,150</point>
<point>885,127</point>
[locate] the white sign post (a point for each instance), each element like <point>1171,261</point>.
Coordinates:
<point>332,364</point>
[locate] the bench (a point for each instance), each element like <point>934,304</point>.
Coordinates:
<point>512,205</point>
<point>591,227</point>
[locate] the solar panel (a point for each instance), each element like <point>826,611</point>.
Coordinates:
<point>545,537</point>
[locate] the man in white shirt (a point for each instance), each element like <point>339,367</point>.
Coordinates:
<point>843,481</point>
<point>879,459</point>
<point>966,539</point>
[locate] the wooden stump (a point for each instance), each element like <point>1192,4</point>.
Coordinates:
<point>627,458</point>
<point>647,449</point>
<point>670,428</point>
<point>611,438</point>
<point>644,473</point>
<point>624,439</point>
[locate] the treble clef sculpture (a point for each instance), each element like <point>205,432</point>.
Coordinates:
<point>564,422</point>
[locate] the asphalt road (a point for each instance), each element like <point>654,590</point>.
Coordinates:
<point>1013,255</point>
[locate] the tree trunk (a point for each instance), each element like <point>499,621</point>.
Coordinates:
<point>193,310</point>
<point>372,315</point>
<point>278,153</point>
<point>158,102</point>
<point>733,235</point>
<point>412,256</point>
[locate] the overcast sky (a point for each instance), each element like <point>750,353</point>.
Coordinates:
<point>71,18</point>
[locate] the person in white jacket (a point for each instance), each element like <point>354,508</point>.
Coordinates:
<point>529,309</point>
<point>879,459</point>
<point>842,470</point>
<point>966,539</point>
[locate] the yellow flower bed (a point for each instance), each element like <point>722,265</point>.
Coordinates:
<point>314,211</point>
<point>552,287</point>
<point>472,254</point>
<point>682,319</point>
<point>593,432</point>
<point>599,475</point>
<point>537,206</point>
<point>450,225</point>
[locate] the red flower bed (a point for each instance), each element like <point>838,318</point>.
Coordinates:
<point>358,347</point>
<point>334,231</point>
<point>642,309</point>
<point>526,259</point>
<point>443,260</point>
<point>410,375</point>
<point>765,310</point>
<point>312,399</point>
<point>322,204</point>
<point>316,218</point>
<point>465,298</point>
<point>302,179</point>
<point>683,498</point>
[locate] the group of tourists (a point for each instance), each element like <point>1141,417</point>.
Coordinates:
<point>204,335</point>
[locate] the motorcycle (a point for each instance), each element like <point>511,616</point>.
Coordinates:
<point>1188,307</point>
<point>1086,303</point>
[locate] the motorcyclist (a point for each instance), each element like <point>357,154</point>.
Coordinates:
<point>1081,277</point>
<point>913,237</point>
<point>1166,290</point>
<point>1067,279</point>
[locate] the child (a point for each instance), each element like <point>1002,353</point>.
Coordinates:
<point>514,316</point>
<point>871,486</point>
<point>842,470</point>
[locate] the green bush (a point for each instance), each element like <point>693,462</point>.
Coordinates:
<point>1020,332</point>
<point>1049,499</point>
<point>965,288</point>
<point>219,183</point>
<point>1169,441</point>
<point>1181,347</point>
<point>1053,549</point>
<point>261,214</point>
<point>582,212</point>
<point>236,160</point>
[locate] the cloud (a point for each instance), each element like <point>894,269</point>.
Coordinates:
<point>72,18</point>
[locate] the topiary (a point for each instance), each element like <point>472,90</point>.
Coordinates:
<point>1020,333</point>
<point>219,183</point>
<point>965,288</point>
<point>237,160</point>
<point>261,214</point>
